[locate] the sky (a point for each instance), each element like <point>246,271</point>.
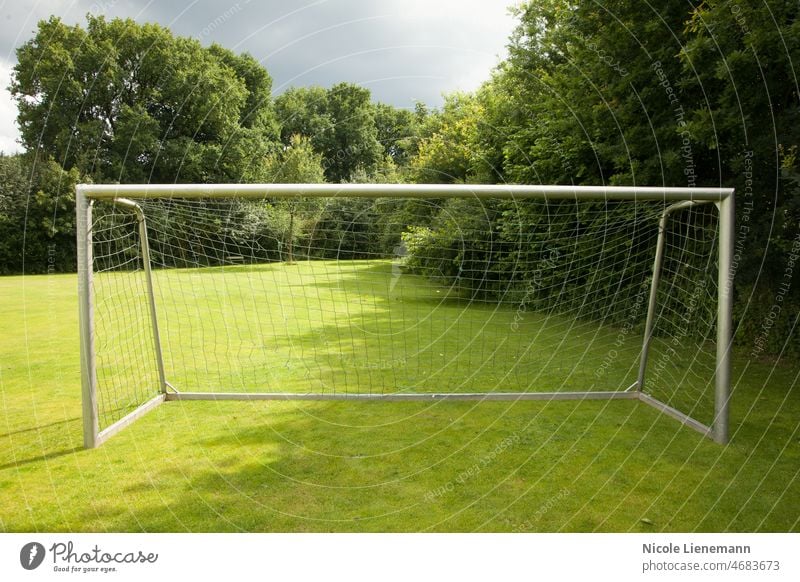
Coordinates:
<point>404,51</point>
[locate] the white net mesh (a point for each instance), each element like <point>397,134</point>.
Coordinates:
<point>382,296</point>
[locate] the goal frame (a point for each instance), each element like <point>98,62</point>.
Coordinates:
<point>679,198</point>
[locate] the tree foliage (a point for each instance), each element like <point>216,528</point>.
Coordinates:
<point>622,93</point>
<point>448,150</point>
<point>340,122</point>
<point>297,163</point>
<point>126,102</point>
<point>37,216</point>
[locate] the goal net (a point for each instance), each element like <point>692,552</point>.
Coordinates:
<point>399,293</point>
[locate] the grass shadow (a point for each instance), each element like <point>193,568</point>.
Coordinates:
<point>40,458</point>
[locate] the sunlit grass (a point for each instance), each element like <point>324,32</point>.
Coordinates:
<point>441,466</point>
<point>347,326</point>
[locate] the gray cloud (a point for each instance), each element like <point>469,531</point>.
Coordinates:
<point>402,50</point>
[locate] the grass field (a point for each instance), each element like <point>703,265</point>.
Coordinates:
<point>337,466</point>
<point>363,327</point>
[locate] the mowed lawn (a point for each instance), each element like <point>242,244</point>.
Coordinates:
<point>345,466</point>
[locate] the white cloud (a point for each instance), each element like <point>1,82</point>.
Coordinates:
<point>9,134</point>
<point>473,32</point>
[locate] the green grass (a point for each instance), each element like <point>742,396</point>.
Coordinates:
<point>337,466</point>
<point>356,326</point>
<point>335,327</point>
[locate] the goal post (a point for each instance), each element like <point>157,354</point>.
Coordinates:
<point>399,292</point>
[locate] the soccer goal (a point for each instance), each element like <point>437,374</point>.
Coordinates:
<point>427,293</point>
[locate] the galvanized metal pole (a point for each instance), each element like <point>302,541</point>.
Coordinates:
<point>83,209</point>
<point>727,218</point>
<point>651,305</point>
<point>148,274</point>
<point>521,191</point>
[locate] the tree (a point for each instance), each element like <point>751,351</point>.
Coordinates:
<point>258,111</point>
<point>397,132</point>
<point>304,111</point>
<point>449,152</point>
<point>594,95</point>
<point>37,215</point>
<point>740,61</point>
<point>354,141</point>
<point>339,123</point>
<point>126,102</point>
<point>630,94</point>
<point>296,164</point>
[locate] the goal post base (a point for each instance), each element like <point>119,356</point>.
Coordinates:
<point>130,418</point>
<point>684,419</point>
<point>153,403</point>
<point>405,397</point>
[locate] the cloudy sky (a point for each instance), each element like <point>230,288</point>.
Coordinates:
<point>402,50</point>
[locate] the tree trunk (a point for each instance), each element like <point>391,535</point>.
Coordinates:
<point>289,256</point>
